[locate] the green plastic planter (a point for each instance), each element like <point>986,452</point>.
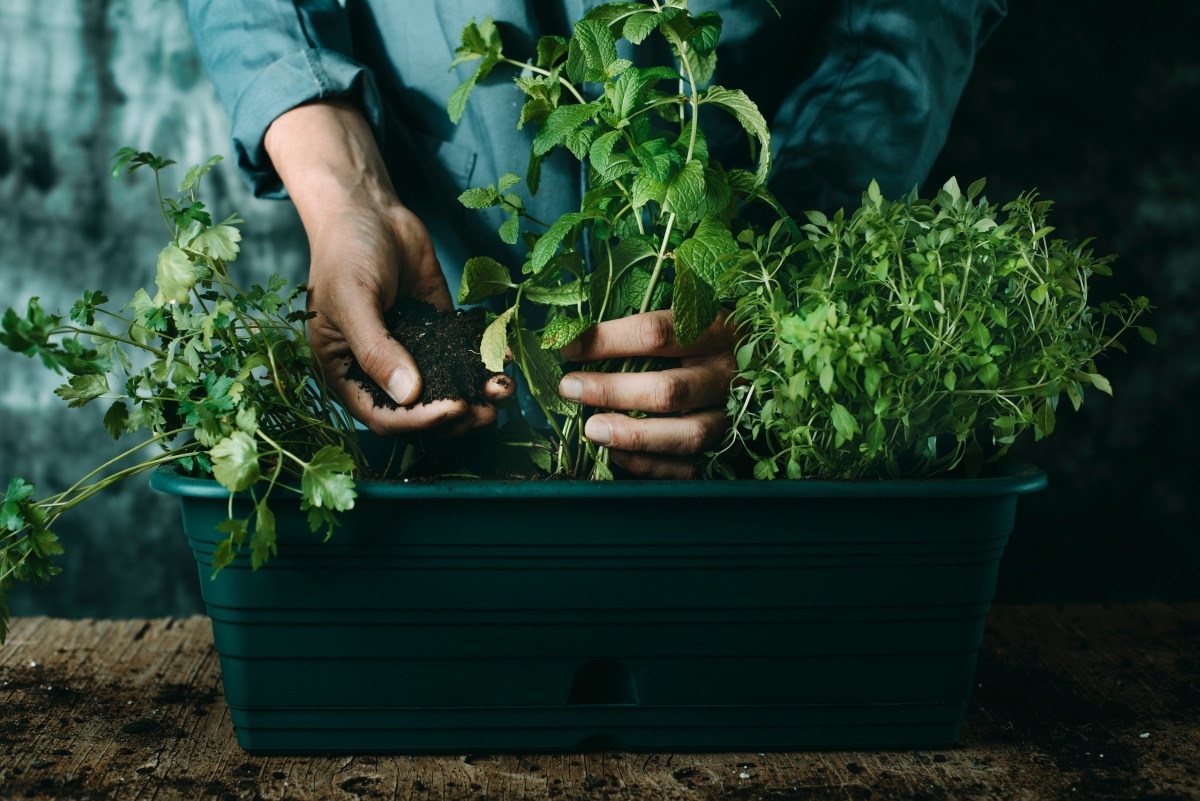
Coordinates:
<point>555,615</point>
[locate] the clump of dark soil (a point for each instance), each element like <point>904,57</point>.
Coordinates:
<point>445,346</point>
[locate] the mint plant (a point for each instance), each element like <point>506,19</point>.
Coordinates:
<point>659,216</point>
<point>914,336</point>
<point>220,379</point>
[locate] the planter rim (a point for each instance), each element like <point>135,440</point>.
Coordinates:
<point>1013,477</point>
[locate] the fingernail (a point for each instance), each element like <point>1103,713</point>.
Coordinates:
<point>401,385</point>
<point>570,388</point>
<point>598,431</point>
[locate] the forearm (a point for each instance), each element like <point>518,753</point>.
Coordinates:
<point>328,159</point>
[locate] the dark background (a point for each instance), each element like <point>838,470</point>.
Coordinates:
<point>1092,103</point>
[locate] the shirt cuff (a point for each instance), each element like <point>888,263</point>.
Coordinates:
<point>303,76</point>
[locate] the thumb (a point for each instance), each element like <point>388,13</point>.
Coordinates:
<point>384,360</point>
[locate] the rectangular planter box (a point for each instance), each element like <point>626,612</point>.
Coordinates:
<point>554,615</point>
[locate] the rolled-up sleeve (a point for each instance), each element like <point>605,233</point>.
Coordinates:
<point>879,103</point>
<point>268,56</point>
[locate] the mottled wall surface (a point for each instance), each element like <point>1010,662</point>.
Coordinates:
<point>78,80</point>
<point>1095,105</point>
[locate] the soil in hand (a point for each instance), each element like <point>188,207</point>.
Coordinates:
<point>445,346</point>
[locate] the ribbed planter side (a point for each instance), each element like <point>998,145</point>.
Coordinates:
<point>526,616</point>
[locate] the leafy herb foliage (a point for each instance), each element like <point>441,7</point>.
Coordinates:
<point>914,335</point>
<point>658,216</point>
<point>903,340</point>
<point>220,378</point>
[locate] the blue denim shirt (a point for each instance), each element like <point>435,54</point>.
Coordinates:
<point>853,90</point>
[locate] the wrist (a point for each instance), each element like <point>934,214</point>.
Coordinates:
<point>327,157</point>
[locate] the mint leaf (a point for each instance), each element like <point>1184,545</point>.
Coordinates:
<point>702,252</point>
<point>493,345</point>
<point>561,123</point>
<point>737,103</point>
<point>547,244</point>
<point>695,306</point>
<point>482,278</point>
<point>542,371</point>
<point>561,295</point>
<point>562,331</point>
<point>684,195</point>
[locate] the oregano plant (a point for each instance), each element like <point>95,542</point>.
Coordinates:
<point>911,337</point>
<point>218,379</point>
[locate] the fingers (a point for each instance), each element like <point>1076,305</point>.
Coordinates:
<point>649,334</point>
<point>692,386</point>
<point>685,435</point>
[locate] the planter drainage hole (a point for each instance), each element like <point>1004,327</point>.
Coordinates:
<point>603,681</point>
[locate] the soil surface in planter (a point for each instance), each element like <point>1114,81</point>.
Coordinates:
<point>445,346</point>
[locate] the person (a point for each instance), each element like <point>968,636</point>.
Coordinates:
<point>341,107</point>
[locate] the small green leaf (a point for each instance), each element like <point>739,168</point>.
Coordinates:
<point>235,461</point>
<point>562,331</point>
<point>493,345</point>
<point>219,242</point>
<point>702,252</point>
<point>737,103</point>
<point>695,306</point>
<point>82,389</point>
<point>482,278</point>
<point>479,198</point>
<point>116,418</point>
<point>563,121</point>
<point>570,294</point>
<point>542,371</point>
<point>843,422</point>
<point>327,481</point>
<point>176,276</point>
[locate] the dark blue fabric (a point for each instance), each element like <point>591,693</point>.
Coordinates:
<point>853,89</point>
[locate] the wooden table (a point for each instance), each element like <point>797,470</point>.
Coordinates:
<point>1076,702</point>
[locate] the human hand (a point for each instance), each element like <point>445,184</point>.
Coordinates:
<point>655,447</point>
<point>367,249</point>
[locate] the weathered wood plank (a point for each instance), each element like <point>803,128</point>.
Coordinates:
<point>1079,702</point>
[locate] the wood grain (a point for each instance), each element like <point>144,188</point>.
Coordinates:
<point>1076,702</point>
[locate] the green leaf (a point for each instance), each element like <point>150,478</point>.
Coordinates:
<point>176,276</point>
<point>479,198</point>
<point>685,192</point>
<point>222,557</point>
<point>737,103</point>
<point>1100,382</point>
<point>219,242</point>
<point>542,371</point>
<point>327,482</point>
<point>197,172</point>
<point>1147,334</point>
<point>116,418</point>
<point>570,294</point>
<point>547,244</point>
<point>82,389</point>
<point>562,331</point>
<point>493,345</point>
<point>563,121</point>
<point>702,252</point>
<point>235,461</point>
<point>598,47</point>
<point>482,278</point>
<point>510,229</point>
<point>262,541</point>
<point>843,422</point>
<point>695,306</point>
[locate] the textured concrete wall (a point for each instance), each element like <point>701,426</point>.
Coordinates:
<point>78,80</point>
